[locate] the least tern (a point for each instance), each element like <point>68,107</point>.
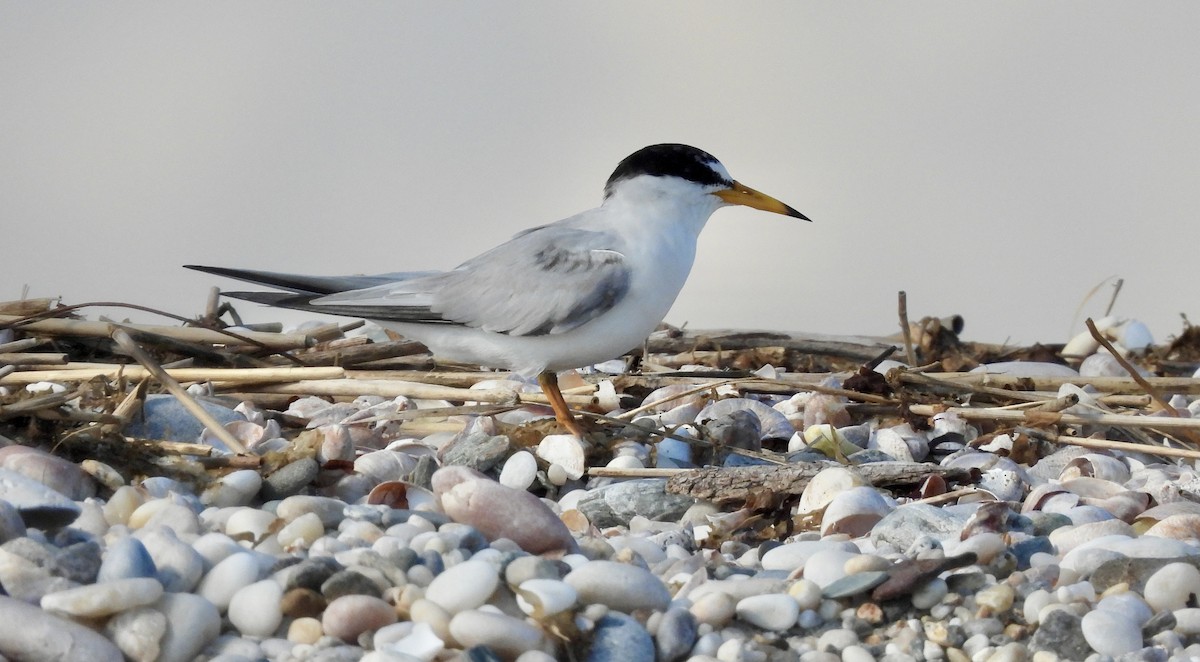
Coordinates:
<point>569,294</point>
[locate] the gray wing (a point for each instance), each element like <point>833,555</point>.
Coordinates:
<point>544,281</point>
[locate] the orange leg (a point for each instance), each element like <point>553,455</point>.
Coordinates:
<point>549,383</point>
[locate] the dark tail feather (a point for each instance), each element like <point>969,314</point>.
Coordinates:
<point>300,284</point>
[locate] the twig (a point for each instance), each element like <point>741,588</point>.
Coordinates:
<point>189,403</point>
<point>1035,418</point>
<point>90,329</point>
<point>227,376</point>
<point>1112,301</point>
<point>904,328</point>
<point>392,389</point>
<point>21,345</point>
<point>1133,373</point>
<point>647,472</point>
<point>1108,444</point>
<point>32,358</point>
<point>1108,384</point>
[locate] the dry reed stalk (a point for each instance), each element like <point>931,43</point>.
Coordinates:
<point>392,389</point>
<point>230,377</point>
<point>91,329</point>
<point>1045,418</point>
<point>1107,384</point>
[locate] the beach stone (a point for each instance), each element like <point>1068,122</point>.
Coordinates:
<point>774,611</point>
<point>617,504</point>
<point>168,514</point>
<point>507,636</point>
<point>1059,633</point>
<point>40,506</point>
<point>34,635</point>
<point>349,582</point>
<point>305,630</point>
<point>11,524</point>
<point>1068,538</point>
<point>330,510</point>
<point>105,598</point>
<point>901,527</point>
<point>299,602</point>
<point>619,586</point>
<point>1173,587</point>
<point>855,584</point>
<point>715,609</point>
<point>228,577</point>
<point>302,531</point>
<point>519,471</point>
<point>469,497</point>
<point>1132,571</point>
<point>793,555</point>
<point>233,489</point>
<point>138,633</point>
<point>192,623</point>
<point>351,615</point>
<point>827,566</point>
<point>464,586</point>
<point>1110,632</point>
<point>312,573</point>
<point>476,450</point>
<point>255,609</point>
<point>290,479</point>
<point>163,417</point>
<point>126,557</point>
<point>675,634</point>
<point>619,638</point>
<point>60,475</point>
<point>179,565</point>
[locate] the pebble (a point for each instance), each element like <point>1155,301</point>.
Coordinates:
<point>349,616</point>
<point>104,598</point>
<point>619,638</point>
<point>497,511</point>
<point>1110,632</point>
<point>39,506</point>
<point>618,586</point>
<point>464,586</point>
<point>255,609</point>
<point>773,611</point>
<point>35,635</point>
<point>192,623</point>
<point>507,636</point>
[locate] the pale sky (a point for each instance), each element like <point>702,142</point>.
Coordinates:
<point>995,160</point>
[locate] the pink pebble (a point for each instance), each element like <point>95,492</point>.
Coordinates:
<point>351,615</point>
<point>470,497</point>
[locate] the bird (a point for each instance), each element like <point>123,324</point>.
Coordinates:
<point>555,297</point>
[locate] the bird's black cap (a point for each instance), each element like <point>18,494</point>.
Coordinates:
<point>669,160</point>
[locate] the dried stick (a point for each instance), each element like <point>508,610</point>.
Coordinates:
<point>737,483</point>
<point>904,328</point>
<point>20,345</point>
<point>1108,444</point>
<point>90,329</point>
<point>1108,384</point>
<point>1035,418</point>
<point>392,389</point>
<point>189,403</point>
<point>32,358</point>
<point>227,376</point>
<point>1128,367</point>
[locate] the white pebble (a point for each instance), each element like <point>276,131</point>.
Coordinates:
<point>255,610</point>
<point>519,470</point>
<point>774,611</point>
<point>1111,633</point>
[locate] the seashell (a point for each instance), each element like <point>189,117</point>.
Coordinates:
<point>1080,347</point>
<point>854,512</point>
<point>1101,364</point>
<point>1151,516</point>
<point>825,439</point>
<point>391,493</point>
<point>1041,494</point>
<point>1005,484</point>
<point>773,425</point>
<point>667,398</point>
<point>826,485</point>
<point>889,441</point>
<point>1125,506</point>
<point>565,451</point>
<point>544,598</point>
<point>1094,488</point>
<point>336,444</point>
<point>1096,465</point>
<point>1177,527</point>
<point>384,465</point>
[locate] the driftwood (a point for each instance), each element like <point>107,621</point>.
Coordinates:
<point>740,483</point>
<point>1106,384</point>
<point>849,347</point>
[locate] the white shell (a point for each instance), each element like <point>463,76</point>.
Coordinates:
<point>855,511</point>
<point>564,450</point>
<point>826,485</point>
<point>542,598</point>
